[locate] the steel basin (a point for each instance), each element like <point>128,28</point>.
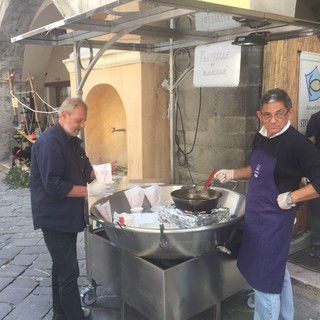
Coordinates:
<point>171,243</point>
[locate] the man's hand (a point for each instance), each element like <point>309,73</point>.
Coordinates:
<point>114,166</point>
<point>224,175</point>
<point>285,201</point>
<point>99,189</point>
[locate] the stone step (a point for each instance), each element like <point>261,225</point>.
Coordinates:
<point>305,283</point>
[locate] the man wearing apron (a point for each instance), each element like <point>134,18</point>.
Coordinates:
<point>281,156</point>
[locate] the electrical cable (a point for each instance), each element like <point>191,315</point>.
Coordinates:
<point>182,152</point>
<point>29,123</point>
<point>181,51</point>
<point>27,107</point>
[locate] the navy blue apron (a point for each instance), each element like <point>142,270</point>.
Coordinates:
<point>267,228</point>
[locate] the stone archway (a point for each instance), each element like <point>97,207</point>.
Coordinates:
<point>106,126</point>
<point>136,78</point>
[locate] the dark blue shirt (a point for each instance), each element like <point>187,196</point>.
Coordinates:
<point>296,157</point>
<point>58,162</point>
<point>313,128</point>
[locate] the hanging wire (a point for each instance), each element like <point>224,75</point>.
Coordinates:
<point>182,146</point>
<point>30,122</point>
<point>27,107</point>
<point>182,150</point>
<point>175,54</point>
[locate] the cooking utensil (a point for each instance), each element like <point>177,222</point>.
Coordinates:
<point>207,183</point>
<point>196,199</point>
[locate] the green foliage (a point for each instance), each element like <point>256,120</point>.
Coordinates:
<point>17,177</point>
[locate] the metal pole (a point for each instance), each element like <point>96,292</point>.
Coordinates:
<point>77,68</point>
<point>217,311</point>
<point>171,107</point>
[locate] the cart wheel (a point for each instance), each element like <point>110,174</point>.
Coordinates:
<point>88,296</point>
<point>250,299</point>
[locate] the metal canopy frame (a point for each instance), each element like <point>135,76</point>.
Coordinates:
<point>86,26</point>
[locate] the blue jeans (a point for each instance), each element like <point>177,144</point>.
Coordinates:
<point>66,301</point>
<point>270,306</point>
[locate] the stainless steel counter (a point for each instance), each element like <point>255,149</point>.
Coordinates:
<point>174,282</point>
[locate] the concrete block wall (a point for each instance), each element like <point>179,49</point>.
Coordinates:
<point>227,122</point>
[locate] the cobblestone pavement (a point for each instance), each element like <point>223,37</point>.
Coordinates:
<point>25,267</point>
<point>25,264</point>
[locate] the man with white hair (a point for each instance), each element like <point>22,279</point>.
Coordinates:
<point>60,171</point>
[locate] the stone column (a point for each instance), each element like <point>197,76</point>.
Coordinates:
<point>15,18</point>
<point>10,61</point>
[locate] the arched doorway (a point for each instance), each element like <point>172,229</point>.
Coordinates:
<point>106,126</point>
<point>135,85</point>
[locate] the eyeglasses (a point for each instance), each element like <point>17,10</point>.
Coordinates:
<point>278,115</point>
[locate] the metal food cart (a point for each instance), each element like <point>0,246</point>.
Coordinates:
<point>187,276</point>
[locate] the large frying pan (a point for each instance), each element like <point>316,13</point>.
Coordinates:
<point>196,198</point>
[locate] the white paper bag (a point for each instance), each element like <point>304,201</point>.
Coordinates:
<point>153,194</point>
<point>105,211</point>
<point>135,196</point>
<point>103,172</point>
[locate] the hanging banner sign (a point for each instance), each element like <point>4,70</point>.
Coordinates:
<point>209,21</point>
<point>217,65</point>
<point>309,88</point>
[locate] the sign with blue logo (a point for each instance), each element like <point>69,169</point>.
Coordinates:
<point>309,88</point>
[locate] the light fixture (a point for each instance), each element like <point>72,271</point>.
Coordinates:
<point>253,24</point>
<point>252,39</point>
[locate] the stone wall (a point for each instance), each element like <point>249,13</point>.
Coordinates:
<point>227,122</point>
<point>16,17</point>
